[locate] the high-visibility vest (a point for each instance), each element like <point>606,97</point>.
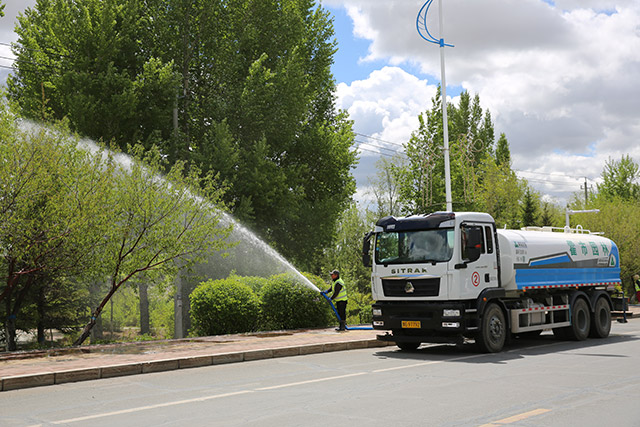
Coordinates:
<point>637,283</point>
<point>342,296</point>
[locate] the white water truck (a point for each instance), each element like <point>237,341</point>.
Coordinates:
<point>446,277</point>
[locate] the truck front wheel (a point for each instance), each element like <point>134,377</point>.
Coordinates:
<point>493,330</point>
<point>580,321</point>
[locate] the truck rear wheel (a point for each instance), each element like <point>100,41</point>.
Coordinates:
<point>580,321</point>
<point>601,321</point>
<point>408,346</point>
<point>493,330</point>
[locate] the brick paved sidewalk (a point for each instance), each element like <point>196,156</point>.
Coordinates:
<point>105,361</point>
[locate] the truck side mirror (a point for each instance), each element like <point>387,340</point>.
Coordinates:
<point>366,248</point>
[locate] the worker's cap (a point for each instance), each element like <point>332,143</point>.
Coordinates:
<point>336,272</point>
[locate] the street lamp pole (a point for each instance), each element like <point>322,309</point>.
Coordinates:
<point>421,25</point>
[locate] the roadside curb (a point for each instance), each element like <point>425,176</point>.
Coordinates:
<point>183,362</point>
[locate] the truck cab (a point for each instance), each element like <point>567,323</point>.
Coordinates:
<point>428,271</point>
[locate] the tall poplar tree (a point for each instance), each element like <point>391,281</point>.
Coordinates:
<point>242,88</point>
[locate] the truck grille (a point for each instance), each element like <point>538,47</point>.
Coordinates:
<point>411,287</point>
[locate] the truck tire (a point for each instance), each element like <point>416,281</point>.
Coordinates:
<point>493,330</point>
<point>408,346</point>
<point>580,321</point>
<point>601,321</point>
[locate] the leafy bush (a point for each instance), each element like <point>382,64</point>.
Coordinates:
<point>254,282</point>
<point>359,308</point>
<point>161,312</point>
<point>289,304</point>
<point>223,306</point>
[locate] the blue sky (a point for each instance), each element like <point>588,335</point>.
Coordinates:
<point>347,66</point>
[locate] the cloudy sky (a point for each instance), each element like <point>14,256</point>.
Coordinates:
<point>560,78</point>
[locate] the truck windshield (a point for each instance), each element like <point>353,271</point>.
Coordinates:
<point>414,246</point>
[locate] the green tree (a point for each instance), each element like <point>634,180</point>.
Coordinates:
<point>500,194</point>
<point>503,154</point>
<point>551,215</point>
<point>620,179</point>
<point>345,252</point>
<point>158,221</point>
<point>387,184</point>
<point>250,83</point>
<point>95,72</point>
<point>471,137</point>
<point>530,206</point>
<point>52,216</point>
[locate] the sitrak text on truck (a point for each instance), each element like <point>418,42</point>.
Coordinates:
<point>446,276</point>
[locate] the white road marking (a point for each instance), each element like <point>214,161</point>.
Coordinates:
<point>145,408</point>
<point>275,387</point>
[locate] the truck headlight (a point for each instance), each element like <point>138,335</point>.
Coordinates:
<point>378,323</point>
<point>450,324</point>
<point>450,313</point>
<point>377,311</point>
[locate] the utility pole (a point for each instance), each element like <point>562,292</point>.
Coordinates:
<point>586,187</point>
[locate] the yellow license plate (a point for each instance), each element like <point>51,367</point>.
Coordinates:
<point>411,324</point>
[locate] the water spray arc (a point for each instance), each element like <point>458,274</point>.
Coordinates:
<point>421,25</point>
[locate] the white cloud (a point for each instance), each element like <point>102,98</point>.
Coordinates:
<point>387,104</point>
<point>559,79</point>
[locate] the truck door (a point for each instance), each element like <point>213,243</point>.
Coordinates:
<point>478,265</point>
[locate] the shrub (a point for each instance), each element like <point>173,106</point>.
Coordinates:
<point>223,306</point>
<point>289,304</point>
<point>359,308</point>
<point>254,282</point>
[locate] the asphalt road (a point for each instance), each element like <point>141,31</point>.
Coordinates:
<point>542,382</point>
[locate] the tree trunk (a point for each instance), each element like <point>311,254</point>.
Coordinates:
<point>11,333</point>
<point>97,332</point>
<point>144,308</point>
<point>41,313</point>
<point>86,331</point>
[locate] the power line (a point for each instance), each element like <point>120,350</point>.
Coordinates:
<point>374,151</point>
<point>379,139</point>
<point>552,174</point>
<point>379,146</point>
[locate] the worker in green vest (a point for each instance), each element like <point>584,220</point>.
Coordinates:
<point>339,297</point>
<point>636,283</point>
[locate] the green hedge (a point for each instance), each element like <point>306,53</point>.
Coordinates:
<point>289,304</point>
<point>223,306</point>
<point>244,304</point>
